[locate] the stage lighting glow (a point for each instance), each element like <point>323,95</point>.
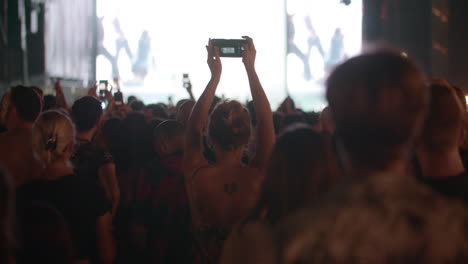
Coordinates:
<point>150,44</point>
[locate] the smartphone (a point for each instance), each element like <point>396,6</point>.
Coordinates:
<point>186,80</point>
<point>103,89</point>
<point>118,98</point>
<point>230,47</point>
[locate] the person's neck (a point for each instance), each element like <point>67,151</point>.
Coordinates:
<point>357,168</point>
<point>440,165</point>
<point>397,168</point>
<point>58,169</point>
<point>229,158</point>
<point>86,135</point>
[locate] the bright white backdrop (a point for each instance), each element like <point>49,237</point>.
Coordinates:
<point>179,30</point>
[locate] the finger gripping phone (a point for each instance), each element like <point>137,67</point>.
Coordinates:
<point>229,47</point>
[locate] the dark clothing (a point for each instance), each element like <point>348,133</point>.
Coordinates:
<point>452,187</point>
<point>377,218</point>
<point>79,201</point>
<point>166,210</point>
<point>88,158</point>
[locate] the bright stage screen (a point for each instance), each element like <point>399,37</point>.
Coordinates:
<point>320,35</point>
<point>151,44</point>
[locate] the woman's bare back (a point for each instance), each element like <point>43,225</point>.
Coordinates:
<point>225,195</point>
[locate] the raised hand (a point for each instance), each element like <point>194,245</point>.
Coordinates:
<point>61,101</point>
<point>213,60</point>
<point>58,88</point>
<point>249,53</point>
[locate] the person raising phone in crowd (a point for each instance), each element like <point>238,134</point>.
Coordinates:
<point>223,193</point>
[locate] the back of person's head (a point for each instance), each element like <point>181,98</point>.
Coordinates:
<point>378,103</point>
<point>50,102</point>
<point>297,173</point>
<point>44,236</point>
<point>169,137</point>
<point>445,121</point>
<point>313,119</point>
<point>155,111</point>
<point>137,106</point>
<point>87,113</point>
<point>181,102</point>
<point>326,121</point>
<point>229,126</point>
<point>53,137</point>
<point>112,133</point>
<point>38,91</point>
<point>26,101</point>
<point>130,99</point>
<point>7,215</point>
<point>138,137</point>
<point>293,119</point>
<point>184,111</point>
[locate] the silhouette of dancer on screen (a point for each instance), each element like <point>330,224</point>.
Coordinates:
<point>313,40</point>
<point>292,48</point>
<point>121,42</point>
<point>337,50</point>
<point>143,56</point>
<point>101,49</point>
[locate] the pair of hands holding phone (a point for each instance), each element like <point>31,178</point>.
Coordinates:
<point>214,61</point>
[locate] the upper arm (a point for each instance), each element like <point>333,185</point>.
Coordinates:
<point>108,178</point>
<point>193,154</point>
<point>265,141</point>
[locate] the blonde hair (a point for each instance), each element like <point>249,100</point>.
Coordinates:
<point>52,132</point>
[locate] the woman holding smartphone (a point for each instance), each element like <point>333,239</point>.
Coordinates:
<point>223,193</point>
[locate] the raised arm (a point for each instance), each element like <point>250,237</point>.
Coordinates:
<point>60,96</point>
<point>193,155</point>
<point>265,129</point>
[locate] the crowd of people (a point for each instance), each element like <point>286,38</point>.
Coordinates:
<point>377,177</point>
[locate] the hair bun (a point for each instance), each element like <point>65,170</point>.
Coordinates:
<point>230,125</point>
